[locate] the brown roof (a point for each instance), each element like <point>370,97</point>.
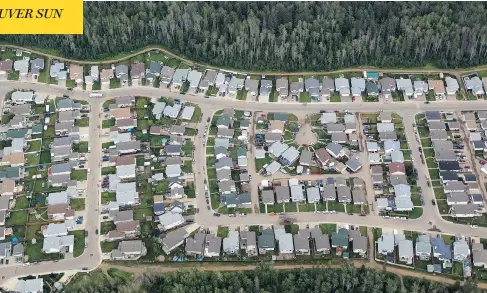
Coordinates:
<point>126,122</point>
<point>127,226</point>
<point>127,160</point>
<point>6,65</point>
<point>106,74</point>
<point>8,185</point>
<point>137,69</point>
<point>115,234</point>
<point>438,86</point>
<point>155,129</point>
<point>322,155</point>
<point>121,113</point>
<point>396,167</point>
<point>75,71</point>
<point>57,209</point>
<point>14,158</point>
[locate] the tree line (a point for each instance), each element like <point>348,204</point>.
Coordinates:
<point>264,279</point>
<point>290,36</point>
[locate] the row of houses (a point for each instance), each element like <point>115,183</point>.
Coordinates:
<point>272,240</point>
<point>330,189</point>
<point>386,152</point>
<point>460,185</point>
<point>426,248</point>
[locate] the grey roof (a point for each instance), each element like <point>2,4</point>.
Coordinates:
<point>451,84</point>
<point>282,83</point>
<point>358,85</point>
<point>311,83</point>
<point>439,247</point>
<point>296,87</point>
<point>235,83</point>
<point>358,196</point>
<point>268,196</point>
<point>180,75</point>
<point>194,78</point>
<point>387,84</point>
<point>328,84</point>
<point>266,240</point>
<point>300,242</point>
<point>289,155</point>
<point>387,135</point>
<point>265,87</point>
<point>385,127</point>
<point>306,157</point>
<point>29,286</point>
<point>406,248</point>
<point>222,142</point>
<point>335,127</point>
<point>313,194</point>
<point>344,194</point>
<point>155,67</point>
<point>354,164</point>
<point>121,69</point>
<point>342,83</point>
<point>67,104</point>
<point>420,86</point>
<point>445,155</point>
<point>252,85</point>
<point>128,145</point>
<point>454,186</point>
<point>398,179</point>
<point>436,125</point>
<point>372,87</point>
<point>62,168</point>
<point>224,162</point>
<point>334,148</point>
<point>282,193</point>
<point>328,117</point>
<point>167,74</point>
<point>433,115</point>
<point>329,192</point>
<point>405,84</point>
<point>208,78</point>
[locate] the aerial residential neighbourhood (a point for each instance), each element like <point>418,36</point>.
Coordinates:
<point>155,159</point>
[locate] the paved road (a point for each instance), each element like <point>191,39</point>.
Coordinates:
<point>92,256</point>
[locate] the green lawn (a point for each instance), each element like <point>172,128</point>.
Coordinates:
<point>273,96</point>
<point>84,122</point>
<point>242,95</point>
<point>259,163</point>
<point>33,231</point>
<point>34,146</point>
<point>79,242</point>
<point>143,124</point>
<point>109,246</point>
<point>77,204</point>
<point>115,83</point>
<point>304,97</point>
<point>21,203</point>
<point>106,227</point>
<point>17,218</point>
<point>32,159</point>
<point>428,153</point>
<point>141,213</point>
<point>79,175</point>
<point>290,207</point>
<point>81,147</point>
<point>293,228</point>
<point>335,98</point>
<point>108,170</point>
<point>106,197</point>
<point>13,75</point>
<point>416,213</point>
<point>336,206</point>
<point>328,228</point>
<point>108,123</point>
<point>187,166</point>
<point>222,232</point>
<point>34,252</point>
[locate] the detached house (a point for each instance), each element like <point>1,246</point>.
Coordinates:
<point>137,72</point>
<point>387,86</point>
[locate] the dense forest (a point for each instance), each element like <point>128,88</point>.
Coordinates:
<point>288,36</point>
<point>263,280</point>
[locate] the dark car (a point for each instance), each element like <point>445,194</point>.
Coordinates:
<point>96,231</point>
<point>433,202</point>
<point>86,233</point>
<point>208,120</point>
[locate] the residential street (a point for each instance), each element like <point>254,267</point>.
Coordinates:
<point>91,258</point>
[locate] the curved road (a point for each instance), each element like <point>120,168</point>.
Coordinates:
<point>457,72</point>
<point>91,258</point>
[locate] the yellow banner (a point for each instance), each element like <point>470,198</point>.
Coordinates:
<point>41,17</point>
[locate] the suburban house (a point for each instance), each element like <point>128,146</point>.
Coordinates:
<point>36,65</point>
<point>420,88</point>
<point>405,85</point>
<point>105,76</point>
<point>129,250</point>
<point>387,86</point>
<point>252,87</point>
<point>76,74</point>
<point>438,87</point>
<point>194,78</point>
<point>166,77</point>
<point>208,80</point>
<point>137,72</point>
<point>122,73</point>
<point>358,86</point>
<point>451,86</point>
<point>265,88</point>
<point>312,86</point>
<point>282,87</point>
<point>342,85</point>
